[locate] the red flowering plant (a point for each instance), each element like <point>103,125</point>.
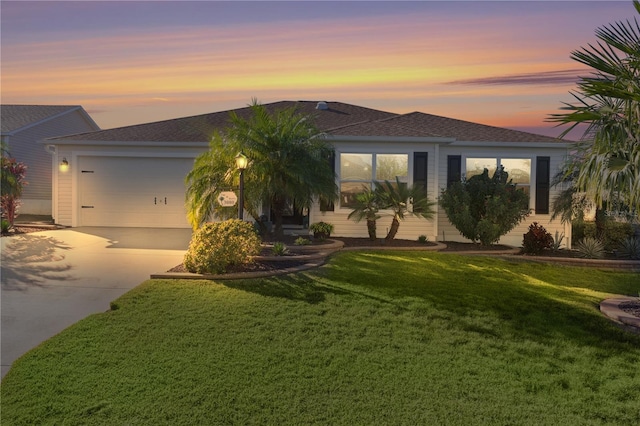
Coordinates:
<point>13,180</point>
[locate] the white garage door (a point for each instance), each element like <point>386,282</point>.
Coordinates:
<point>132,191</point>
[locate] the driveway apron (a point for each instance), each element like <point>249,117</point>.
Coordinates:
<point>52,279</point>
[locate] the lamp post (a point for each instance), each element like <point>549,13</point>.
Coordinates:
<point>241,164</point>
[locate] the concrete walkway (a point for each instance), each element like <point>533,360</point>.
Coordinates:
<point>52,279</point>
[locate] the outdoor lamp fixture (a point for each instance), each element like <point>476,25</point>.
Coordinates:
<point>64,165</point>
<point>241,164</point>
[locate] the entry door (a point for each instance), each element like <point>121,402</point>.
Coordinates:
<point>132,191</point>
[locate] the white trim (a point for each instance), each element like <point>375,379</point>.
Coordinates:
<point>62,142</point>
<point>389,139</point>
<point>514,145</point>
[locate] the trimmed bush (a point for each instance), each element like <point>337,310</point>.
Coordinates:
<point>536,239</point>
<point>614,232</point>
<point>485,208</point>
<point>217,246</point>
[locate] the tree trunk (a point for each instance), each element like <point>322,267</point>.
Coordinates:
<point>395,224</point>
<point>278,211</point>
<point>371,228</point>
<point>600,223</point>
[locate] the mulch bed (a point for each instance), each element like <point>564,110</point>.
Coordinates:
<point>631,307</point>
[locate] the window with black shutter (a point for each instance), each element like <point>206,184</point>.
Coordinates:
<point>454,169</point>
<point>327,205</point>
<point>543,180</point>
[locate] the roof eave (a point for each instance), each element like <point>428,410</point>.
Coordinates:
<point>401,139</point>
<point>171,144</point>
<point>534,144</point>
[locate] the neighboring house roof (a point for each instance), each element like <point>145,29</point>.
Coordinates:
<point>16,118</point>
<point>335,118</point>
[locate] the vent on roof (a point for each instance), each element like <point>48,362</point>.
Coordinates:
<point>322,105</point>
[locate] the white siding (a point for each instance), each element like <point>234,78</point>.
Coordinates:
<point>25,146</point>
<point>66,204</point>
<point>448,232</point>
<point>410,228</point>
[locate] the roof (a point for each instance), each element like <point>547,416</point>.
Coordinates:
<point>465,130</point>
<point>18,117</point>
<point>337,119</point>
<point>200,128</point>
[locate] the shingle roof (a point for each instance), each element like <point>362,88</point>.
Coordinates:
<point>200,128</point>
<point>339,119</point>
<point>465,130</point>
<point>379,128</point>
<point>15,117</point>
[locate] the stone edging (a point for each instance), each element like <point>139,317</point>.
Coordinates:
<point>611,308</point>
<point>318,258</point>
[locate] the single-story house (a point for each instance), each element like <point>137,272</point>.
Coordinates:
<point>134,176</point>
<point>23,127</point>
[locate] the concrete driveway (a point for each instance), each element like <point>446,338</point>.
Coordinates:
<point>52,279</point>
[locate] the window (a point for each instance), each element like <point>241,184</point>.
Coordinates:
<point>359,172</point>
<point>519,169</point>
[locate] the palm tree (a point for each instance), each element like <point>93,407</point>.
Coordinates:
<point>398,198</point>
<point>367,207</point>
<point>287,165</point>
<point>608,102</point>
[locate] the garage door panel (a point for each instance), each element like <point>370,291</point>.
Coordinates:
<point>134,192</point>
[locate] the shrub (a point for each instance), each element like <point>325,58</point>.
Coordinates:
<point>483,208</point>
<point>614,232</point>
<point>5,226</point>
<point>216,246</point>
<point>279,249</point>
<point>590,248</point>
<point>536,239</point>
<point>423,239</point>
<point>321,230</point>
<point>301,241</point>
<point>629,248</point>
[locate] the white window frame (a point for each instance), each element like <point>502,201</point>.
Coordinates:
<point>373,181</point>
<point>532,177</point>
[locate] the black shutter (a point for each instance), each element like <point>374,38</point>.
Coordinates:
<point>420,170</point>
<point>327,205</point>
<point>543,179</point>
<point>454,169</point>
<point>420,173</point>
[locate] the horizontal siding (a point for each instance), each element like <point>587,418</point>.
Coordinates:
<point>25,146</point>
<point>410,228</point>
<point>448,232</point>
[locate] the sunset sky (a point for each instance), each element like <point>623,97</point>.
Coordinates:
<point>503,63</point>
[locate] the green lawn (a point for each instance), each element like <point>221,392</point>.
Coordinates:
<point>371,338</point>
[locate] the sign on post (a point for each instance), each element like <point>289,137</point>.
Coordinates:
<point>227,199</point>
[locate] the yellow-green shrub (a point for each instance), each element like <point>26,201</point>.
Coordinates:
<point>216,246</point>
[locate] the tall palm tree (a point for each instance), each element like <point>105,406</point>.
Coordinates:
<point>367,207</point>
<point>287,164</point>
<point>608,102</point>
<point>398,198</point>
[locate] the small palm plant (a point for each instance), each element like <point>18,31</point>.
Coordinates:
<point>402,200</point>
<point>367,207</point>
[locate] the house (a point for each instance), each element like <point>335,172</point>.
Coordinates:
<point>23,127</point>
<point>134,176</point>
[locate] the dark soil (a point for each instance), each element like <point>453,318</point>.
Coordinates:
<point>631,307</point>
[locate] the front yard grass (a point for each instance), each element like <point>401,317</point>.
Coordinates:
<point>370,338</point>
